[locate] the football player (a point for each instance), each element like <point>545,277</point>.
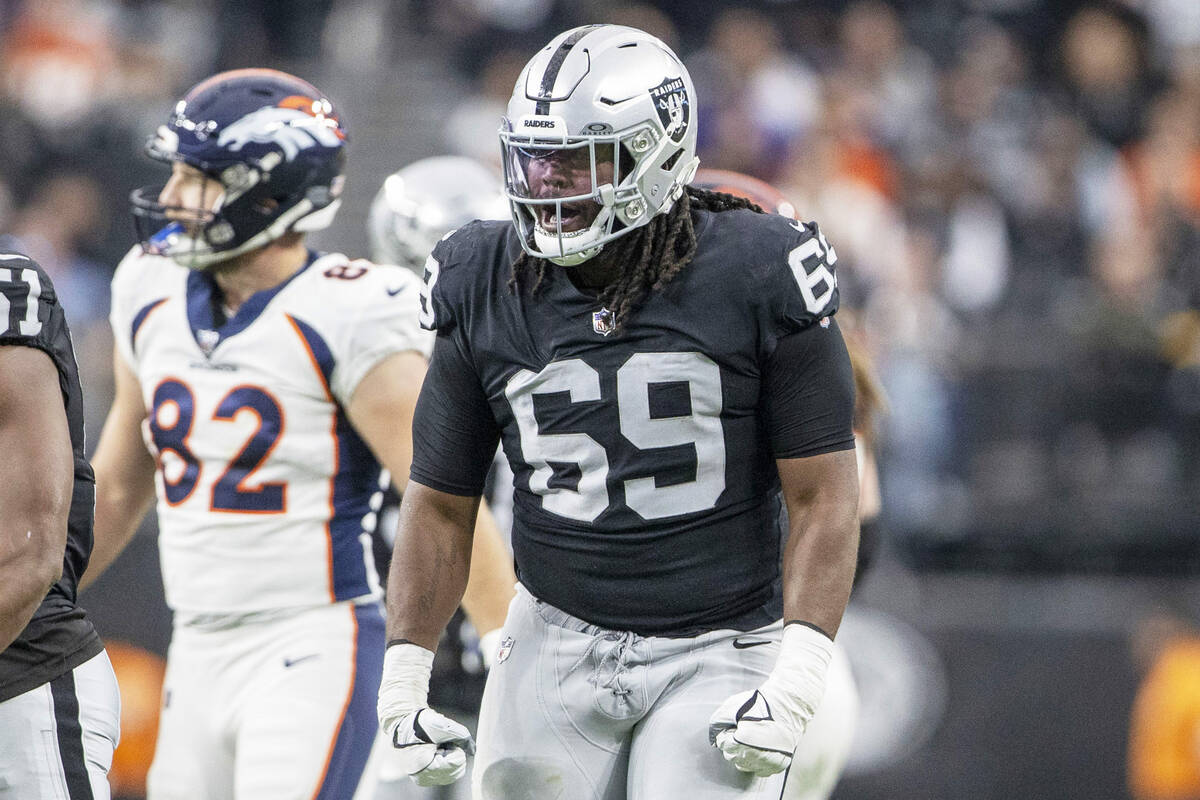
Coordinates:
<point>823,750</point>
<point>271,383</point>
<point>658,363</point>
<point>59,704</point>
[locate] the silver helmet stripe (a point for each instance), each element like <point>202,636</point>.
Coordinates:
<point>546,90</point>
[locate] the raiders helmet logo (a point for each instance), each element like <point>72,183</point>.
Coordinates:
<point>673,105</point>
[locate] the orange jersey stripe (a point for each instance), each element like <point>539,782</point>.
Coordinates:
<point>332,435</point>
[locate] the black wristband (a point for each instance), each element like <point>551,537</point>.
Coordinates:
<point>816,628</point>
<point>398,641</point>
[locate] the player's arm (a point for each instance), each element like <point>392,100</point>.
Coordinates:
<point>809,390</point>
<point>381,410</point>
<point>124,473</point>
<point>35,494</point>
<point>821,493</point>
<point>454,437</point>
<point>430,563</point>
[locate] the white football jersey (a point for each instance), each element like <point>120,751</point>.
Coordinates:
<point>266,495</point>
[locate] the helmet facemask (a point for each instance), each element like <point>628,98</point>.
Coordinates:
<point>619,104</point>
<point>190,234</point>
<point>610,168</point>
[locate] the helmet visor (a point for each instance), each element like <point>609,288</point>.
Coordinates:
<point>541,171</point>
<point>561,187</point>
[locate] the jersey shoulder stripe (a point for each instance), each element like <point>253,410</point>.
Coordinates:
<point>140,317</point>
<point>318,351</point>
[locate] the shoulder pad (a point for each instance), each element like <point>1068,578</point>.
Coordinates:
<point>346,286</point>
<point>794,272</point>
<point>462,262</point>
<point>26,297</point>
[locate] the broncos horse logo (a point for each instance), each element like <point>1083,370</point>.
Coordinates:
<point>291,128</point>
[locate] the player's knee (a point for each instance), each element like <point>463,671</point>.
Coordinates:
<point>524,779</point>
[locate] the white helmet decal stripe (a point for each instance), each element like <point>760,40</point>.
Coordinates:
<point>292,129</point>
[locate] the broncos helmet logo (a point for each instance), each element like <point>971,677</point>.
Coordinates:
<point>293,130</point>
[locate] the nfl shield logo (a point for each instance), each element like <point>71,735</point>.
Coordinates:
<point>506,647</point>
<point>603,322</point>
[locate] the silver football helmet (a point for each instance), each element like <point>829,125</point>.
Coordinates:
<point>421,203</point>
<point>615,108</point>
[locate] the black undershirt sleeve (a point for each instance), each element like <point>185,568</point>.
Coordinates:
<point>454,432</point>
<point>808,389</point>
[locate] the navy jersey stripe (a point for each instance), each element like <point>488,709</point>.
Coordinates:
<point>70,736</point>
<point>352,742</point>
<point>321,354</point>
<point>355,479</point>
<point>556,61</point>
<point>139,318</point>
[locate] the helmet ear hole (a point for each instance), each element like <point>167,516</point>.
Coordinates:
<point>669,164</point>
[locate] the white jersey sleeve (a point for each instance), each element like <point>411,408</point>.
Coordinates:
<point>382,317</point>
<point>140,284</point>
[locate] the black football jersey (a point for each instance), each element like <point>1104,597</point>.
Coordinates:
<point>59,637</point>
<point>644,460</point>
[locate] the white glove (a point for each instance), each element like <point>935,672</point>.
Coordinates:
<point>432,749</point>
<point>758,730</point>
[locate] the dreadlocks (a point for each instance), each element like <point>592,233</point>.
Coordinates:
<point>651,255</point>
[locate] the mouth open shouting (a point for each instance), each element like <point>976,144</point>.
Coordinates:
<point>571,217</point>
<point>562,191</point>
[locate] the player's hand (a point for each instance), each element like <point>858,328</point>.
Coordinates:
<point>758,730</point>
<point>432,748</point>
<point>753,735</point>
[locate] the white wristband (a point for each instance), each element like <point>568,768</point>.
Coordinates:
<point>798,679</point>
<point>404,687</point>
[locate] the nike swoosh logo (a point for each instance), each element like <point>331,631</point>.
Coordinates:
<point>739,644</point>
<point>394,292</point>
<point>291,662</point>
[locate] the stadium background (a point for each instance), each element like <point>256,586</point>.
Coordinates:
<point>1013,188</point>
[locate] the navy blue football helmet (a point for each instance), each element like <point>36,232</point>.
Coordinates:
<point>275,145</point>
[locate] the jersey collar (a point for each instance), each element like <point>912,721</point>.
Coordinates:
<point>209,327</point>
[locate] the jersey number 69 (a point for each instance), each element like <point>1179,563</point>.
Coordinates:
<point>581,382</point>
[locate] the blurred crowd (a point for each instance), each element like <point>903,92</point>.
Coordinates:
<point>1012,187</point>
